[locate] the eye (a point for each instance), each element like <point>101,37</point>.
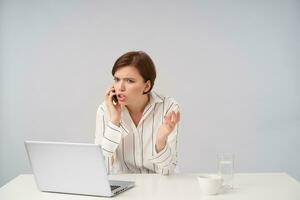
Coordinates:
<point>130,81</point>
<point>116,79</point>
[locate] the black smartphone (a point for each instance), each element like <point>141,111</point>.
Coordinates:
<point>114,98</point>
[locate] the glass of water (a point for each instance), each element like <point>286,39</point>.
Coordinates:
<point>226,168</point>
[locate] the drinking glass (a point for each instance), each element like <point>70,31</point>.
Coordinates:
<point>226,169</point>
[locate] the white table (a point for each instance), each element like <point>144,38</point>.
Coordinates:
<point>264,186</point>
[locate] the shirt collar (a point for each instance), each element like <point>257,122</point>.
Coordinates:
<point>155,98</point>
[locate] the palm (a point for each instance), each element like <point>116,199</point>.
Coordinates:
<point>169,124</point>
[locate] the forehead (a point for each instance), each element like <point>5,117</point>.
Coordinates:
<point>128,72</point>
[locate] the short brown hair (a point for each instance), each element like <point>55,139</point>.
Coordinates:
<point>141,61</point>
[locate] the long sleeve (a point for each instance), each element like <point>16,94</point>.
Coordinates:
<point>166,159</point>
<point>107,135</point>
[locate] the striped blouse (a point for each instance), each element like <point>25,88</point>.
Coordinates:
<point>131,149</point>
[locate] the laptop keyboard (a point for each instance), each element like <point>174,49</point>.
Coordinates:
<point>113,187</point>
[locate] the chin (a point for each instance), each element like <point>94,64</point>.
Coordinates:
<point>122,103</point>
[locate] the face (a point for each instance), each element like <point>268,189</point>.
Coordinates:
<point>129,85</point>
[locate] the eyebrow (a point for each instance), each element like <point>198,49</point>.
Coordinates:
<point>125,78</point>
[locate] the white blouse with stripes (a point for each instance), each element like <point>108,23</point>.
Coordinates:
<point>131,149</point>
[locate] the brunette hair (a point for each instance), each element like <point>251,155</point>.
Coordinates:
<point>141,61</point>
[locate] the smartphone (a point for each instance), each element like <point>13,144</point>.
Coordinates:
<point>115,99</point>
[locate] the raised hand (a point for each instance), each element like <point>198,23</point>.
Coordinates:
<point>166,129</point>
<point>114,109</point>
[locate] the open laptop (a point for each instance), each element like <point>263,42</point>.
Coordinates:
<point>73,168</point>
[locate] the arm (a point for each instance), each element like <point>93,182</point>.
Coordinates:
<point>166,141</point>
<point>108,136</point>
<point>166,159</point>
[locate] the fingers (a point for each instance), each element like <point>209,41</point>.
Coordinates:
<point>109,90</point>
<point>178,116</point>
<point>168,118</point>
<point>109,93</point>
<point>170,121</point>
<point>172,118</point>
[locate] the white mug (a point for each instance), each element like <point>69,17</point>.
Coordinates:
<point>210,184</point>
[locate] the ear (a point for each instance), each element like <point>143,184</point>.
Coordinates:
<point>147,86</point>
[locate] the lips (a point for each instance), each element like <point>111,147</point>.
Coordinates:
<point>121,97</point>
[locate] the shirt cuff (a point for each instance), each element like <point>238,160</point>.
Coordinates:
<point>111,139</point>
<point>163,158</point>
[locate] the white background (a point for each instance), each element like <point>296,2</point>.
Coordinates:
<point>232,65</point>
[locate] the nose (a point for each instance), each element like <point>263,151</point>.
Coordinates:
<point>120,86</point>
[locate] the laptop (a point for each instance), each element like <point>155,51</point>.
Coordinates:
<point>74,168</point>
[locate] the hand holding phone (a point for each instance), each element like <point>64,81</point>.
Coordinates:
<point>113,106</point>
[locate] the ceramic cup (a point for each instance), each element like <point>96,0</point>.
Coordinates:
<point>210,184</point>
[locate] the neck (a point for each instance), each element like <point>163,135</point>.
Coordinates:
<point>139,106</point>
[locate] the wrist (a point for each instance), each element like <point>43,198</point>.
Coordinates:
<point>160,144</point>
<point>161,138</point>
<point>115,122</point>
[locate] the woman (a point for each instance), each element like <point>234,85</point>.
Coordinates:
<point>137,128</point>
